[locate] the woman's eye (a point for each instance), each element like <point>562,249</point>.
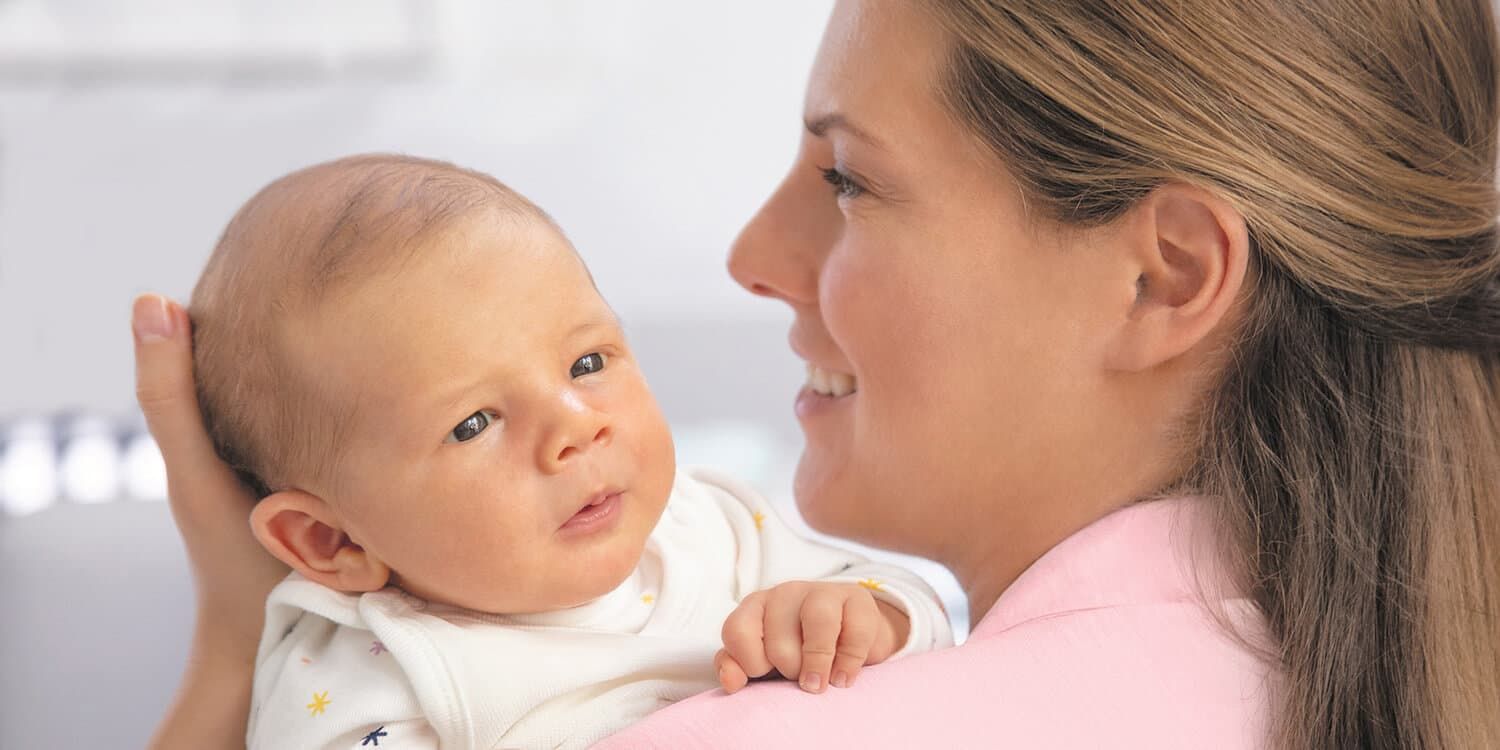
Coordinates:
<point>843,185</point>
<point>469,428</point>
<point>587,365</point>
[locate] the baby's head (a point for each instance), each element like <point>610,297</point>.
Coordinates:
<point>412,366</point>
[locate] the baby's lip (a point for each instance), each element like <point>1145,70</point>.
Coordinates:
<point>596,498</point>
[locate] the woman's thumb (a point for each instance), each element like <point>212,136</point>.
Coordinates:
<point>164,374</point>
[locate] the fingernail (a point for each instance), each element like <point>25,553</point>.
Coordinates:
<point>150,318</point>
<point>840,679</point>
<point>812,682</point>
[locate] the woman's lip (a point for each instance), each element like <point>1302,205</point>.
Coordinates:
<point>599,512</point>
<point>810,403</point>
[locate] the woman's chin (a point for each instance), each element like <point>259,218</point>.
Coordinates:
<point>823,495</point>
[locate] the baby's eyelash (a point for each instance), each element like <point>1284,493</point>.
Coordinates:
<point>470,428</point>
<point>844,186</point>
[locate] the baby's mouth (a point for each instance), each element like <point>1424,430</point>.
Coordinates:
<point>599,505</point>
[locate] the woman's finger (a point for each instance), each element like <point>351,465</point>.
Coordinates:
<point>164,374</point>
<point>205,495</point>
<point>164,387</point>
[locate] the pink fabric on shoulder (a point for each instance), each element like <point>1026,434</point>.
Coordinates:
<point>1103,642</point>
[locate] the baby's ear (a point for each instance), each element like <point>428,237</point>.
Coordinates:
<point>302,531</point>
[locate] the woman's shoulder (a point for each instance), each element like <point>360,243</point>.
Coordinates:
<point>1177,673</point>
<point>1111,638</point>
<point>1159,675</point>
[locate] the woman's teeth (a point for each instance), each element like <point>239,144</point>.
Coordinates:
<point>829,383</point>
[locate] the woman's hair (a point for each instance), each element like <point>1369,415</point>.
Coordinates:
<point>1354,435</point>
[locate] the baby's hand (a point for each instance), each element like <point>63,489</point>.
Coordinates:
<point>808,630</point>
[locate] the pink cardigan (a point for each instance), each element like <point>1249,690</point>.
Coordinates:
<point>1103,642</point>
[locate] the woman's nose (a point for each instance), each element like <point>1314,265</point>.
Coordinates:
<point>779,252</point>
<point>575,428</point>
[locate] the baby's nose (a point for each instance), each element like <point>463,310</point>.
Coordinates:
<point>578,428</point>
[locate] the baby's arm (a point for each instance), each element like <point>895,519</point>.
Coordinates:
<point>883,611</point>
<point>326,684</point>
<point>322,701</point>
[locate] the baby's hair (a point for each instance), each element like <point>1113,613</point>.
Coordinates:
<point>300,241</point>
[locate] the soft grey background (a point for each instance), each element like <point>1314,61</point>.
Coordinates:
<point>130,130</point>
<point>651,129</point>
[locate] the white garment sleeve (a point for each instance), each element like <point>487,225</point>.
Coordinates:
<point>323,680</point>
<point>771,552</point>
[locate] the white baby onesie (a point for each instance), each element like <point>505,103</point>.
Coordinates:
<point>388,670</point>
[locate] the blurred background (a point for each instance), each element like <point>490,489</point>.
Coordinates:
<point>130,130</point>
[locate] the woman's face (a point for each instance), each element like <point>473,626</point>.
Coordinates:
<point>970,336</point>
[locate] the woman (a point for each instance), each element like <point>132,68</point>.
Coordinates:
<point>1173,332</point>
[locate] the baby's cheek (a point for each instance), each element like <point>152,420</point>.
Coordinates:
<point>645,427</point>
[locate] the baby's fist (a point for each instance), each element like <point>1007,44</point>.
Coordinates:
<point>816,632</point>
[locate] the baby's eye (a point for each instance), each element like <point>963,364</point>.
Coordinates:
<point>588,364</point>
<point>469,428</point>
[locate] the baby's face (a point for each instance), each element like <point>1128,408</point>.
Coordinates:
<point>505,454</point>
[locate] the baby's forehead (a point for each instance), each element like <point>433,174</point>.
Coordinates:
<point>348,219</point>
<point>499,279</point>
<point>506,253</point>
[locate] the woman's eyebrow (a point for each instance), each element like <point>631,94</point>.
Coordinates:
<point>819,126</point>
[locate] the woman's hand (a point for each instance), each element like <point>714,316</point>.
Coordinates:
<point>231,573</point>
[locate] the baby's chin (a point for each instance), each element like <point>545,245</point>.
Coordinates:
<point>584,596</point>
<point>591,573</point>
<point>577,582</point>
<point>577,592</point>
<point>563,577</point>
<point>598,578</point>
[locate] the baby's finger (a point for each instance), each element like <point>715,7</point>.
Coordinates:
<point>783,626</point>
<point>731,675</point>
<point>744,637</point>
<point>861,626</point>
<point>822,616</point>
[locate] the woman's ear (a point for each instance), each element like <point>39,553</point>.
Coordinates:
<point>302,531</point>
<point>1190,252</point>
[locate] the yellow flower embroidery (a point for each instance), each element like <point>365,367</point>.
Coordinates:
<point>319,703</point>
<point>647,598</point>
<point>760,521</point>
<point>871,584</point>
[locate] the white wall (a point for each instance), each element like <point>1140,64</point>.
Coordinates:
<point>650,128</point>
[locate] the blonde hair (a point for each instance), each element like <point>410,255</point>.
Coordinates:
<point>1354,437</point>
<point>293,247</point>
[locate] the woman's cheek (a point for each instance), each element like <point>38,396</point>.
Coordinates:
<point>854,299</point>
<point>883,307</point>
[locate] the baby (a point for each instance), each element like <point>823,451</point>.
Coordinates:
<point>459,458</point>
